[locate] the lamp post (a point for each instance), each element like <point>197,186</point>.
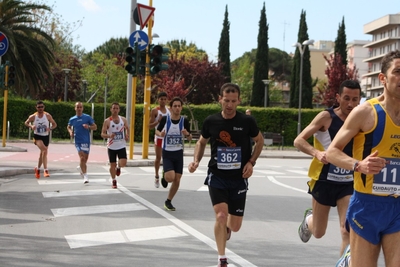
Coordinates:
<point>84,89</point>
<point>301,48</point>
<point>66,83</point>
<point>266,82</point>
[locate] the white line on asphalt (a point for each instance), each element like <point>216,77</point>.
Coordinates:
<point>80,193</point>
<point>269,172</point>
<point>97,209</point>
<point>299,172</point>
<point>203,238</point>
<point>130,235</point>
<point>77,173</point>
<point>272,179</point>
<point>185,170</point>
<point>69,181</point>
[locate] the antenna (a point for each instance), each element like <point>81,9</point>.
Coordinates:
<point>284,31</point>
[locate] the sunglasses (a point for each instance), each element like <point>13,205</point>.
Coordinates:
<point>40,107</point>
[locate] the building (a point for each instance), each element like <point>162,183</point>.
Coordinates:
<point>356,55</point>
<point>317,60</point>
<point>385,33</point>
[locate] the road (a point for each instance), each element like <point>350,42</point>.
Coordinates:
<point>59,221</point>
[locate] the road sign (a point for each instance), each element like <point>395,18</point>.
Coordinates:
<point>3,44</point>
<point>145,13</point>
<point>139,37</point>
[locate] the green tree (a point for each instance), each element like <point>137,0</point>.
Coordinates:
<point>307,92</point>
<point>180,48</point>
<point>340,43</point>
<point>223,48</point>
<point>111,48</point>
<point>261,64</point>
<point>30,48</point>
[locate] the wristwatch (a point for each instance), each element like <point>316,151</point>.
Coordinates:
<point>252,162</point>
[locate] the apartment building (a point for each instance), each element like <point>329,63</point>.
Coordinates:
<point>356,55</point>
<point>385,33</point>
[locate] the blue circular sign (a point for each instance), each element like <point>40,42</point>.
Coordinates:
<point>139,37</point>
<point>3,44</point>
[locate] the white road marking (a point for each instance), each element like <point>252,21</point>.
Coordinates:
<point>77,173</point>
<point>273,180</point>
<point>97,209</point>
<point>299,172</point>
<point>49,181</point>
<point>185,170</point>
<point>269,172</point>
<point>203,188</point>
<point>185,227</point>
<point>124,236</point>
<point>80,193</point>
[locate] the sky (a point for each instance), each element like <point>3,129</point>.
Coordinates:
<point>200,21</point>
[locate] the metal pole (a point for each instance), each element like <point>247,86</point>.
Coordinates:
<point>300,89</point>
<point>265,95</point>
<point>66,87</point>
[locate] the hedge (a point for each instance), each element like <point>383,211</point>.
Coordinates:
<point>277,120</point>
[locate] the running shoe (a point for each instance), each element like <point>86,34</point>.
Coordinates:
<point>118,172</point>
<point>164,182</point>
<point>114,183</point>
<point>304,232</point>
<point>344,261</point>
<point>85,179</point>
<point>46,173</point>
<point>228,233</point>
<point>168,206</point>
<point>37,173</point>
<point>223,263</point>
<point>157,182</point>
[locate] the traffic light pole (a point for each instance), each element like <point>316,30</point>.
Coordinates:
<point>133,107</point>
<point>147,93</point>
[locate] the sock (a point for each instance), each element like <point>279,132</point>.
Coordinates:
<point>221,257</point>
<point>307,219</point>
<point>168,200</point>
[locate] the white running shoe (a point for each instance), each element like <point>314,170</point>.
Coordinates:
<point>85,179</point>
<point>303,231</point>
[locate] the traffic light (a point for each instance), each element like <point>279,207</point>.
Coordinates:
<point>131,59</point>
<point>158,55</point>
<point>136,61</point>
<point>10,75</point>
<point>2,73</point>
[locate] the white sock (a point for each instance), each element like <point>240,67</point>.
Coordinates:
<point>307,219</point>
<point>221,257</point>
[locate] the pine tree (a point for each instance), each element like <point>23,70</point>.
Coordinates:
<point>223,49</point>
<point>307,93</point>
<point>340,43</point>
<point>261,63</point>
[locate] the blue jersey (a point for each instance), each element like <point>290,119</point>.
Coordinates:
<point>82,135</point>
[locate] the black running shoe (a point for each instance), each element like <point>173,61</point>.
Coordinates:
<point>164,182</point>
<point>168,206</point>
<point>223,263</point>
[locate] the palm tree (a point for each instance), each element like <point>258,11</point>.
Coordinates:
<point>30,49</point>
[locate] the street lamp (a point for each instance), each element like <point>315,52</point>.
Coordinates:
<point>84,89</point>
<point>301,49</point>
<point>266,82</point>
<point>66,83</point>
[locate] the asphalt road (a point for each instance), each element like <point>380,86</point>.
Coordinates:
<point>59,221</point>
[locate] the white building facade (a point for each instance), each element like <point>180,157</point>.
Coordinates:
<point>385,33</point>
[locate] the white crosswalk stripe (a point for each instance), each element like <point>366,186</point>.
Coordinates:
<point>97,209</point>
<point>123,236</point>
<point>80,193</point>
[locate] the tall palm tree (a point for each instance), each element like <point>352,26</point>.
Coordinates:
<point>30,49</point>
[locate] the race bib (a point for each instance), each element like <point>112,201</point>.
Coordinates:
<point>173,141</point>
<point>339,174</point>
<point>118,135</point>
<point>386,181</point>
<point>229,158</point>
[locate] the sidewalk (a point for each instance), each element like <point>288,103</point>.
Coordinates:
<point>267,152</point>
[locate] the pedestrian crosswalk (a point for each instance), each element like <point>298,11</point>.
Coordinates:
<point>170,228</point>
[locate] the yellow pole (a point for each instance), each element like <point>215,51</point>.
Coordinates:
<point>147,94</point>
<point>5,107</point>
<point>132,122</point>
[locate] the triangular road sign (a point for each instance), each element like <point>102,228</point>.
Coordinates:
<point>145,12</point>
